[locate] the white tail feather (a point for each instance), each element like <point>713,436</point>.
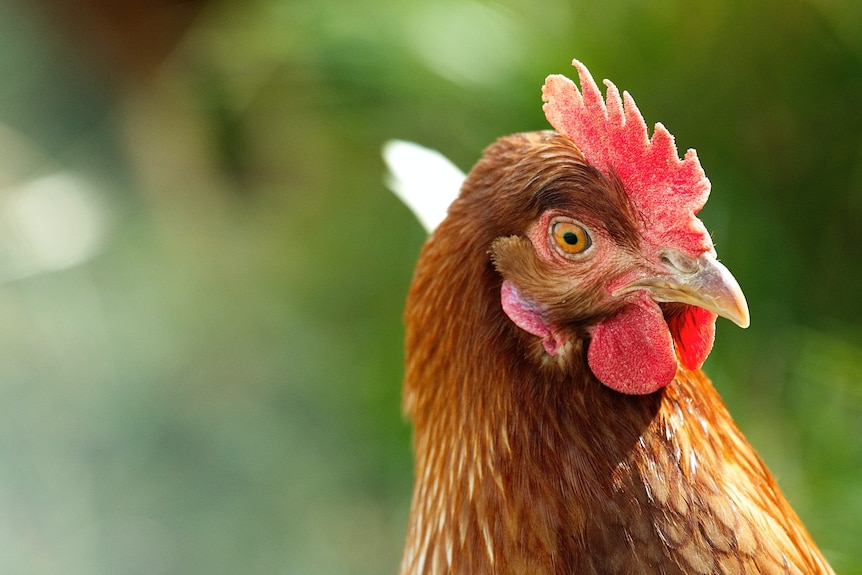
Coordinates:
<point>424,179</point>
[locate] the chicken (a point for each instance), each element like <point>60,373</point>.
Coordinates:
<point>555,329</point>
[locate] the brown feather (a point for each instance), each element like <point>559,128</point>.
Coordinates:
<point>531,465</point>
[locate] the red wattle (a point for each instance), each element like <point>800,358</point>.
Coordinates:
<point>693,333</point>
<point>632,352</point>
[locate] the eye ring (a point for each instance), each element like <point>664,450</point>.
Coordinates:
<point>570,238</point>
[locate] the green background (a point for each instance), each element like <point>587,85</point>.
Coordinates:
<point>216,388</point>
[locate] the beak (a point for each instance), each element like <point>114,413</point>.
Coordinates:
<point>702,282</point>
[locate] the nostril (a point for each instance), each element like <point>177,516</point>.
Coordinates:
<point>679,262</point>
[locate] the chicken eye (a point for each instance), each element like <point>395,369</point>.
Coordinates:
<point>570,238</point>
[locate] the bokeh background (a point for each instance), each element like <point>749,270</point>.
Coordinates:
<point>202,275</point>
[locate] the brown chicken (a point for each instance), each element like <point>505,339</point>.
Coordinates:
<point>556,326</point>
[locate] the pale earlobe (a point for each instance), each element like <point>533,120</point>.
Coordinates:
<point>526,316</point>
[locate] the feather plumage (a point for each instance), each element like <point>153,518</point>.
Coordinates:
<point>425,180</point>
<point>527,459</point>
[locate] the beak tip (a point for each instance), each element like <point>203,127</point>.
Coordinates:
<point>740,316</point>
<point>730,301</point>
<point>736,308</point>
<point>710,286</point>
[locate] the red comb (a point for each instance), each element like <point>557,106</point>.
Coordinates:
<point>667,191</point>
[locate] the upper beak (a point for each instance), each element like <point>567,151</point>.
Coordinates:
<point>702,282</point>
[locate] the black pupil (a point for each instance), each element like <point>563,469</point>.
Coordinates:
<point>570,238</point>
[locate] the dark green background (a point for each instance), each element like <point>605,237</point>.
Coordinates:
<point>217,390</point>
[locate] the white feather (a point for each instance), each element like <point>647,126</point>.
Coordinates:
<point>424,179</point>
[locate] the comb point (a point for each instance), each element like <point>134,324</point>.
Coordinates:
<point>612,134</point>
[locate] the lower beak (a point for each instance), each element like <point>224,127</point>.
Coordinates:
<point>702,282</point>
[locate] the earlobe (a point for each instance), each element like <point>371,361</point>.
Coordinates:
<point>526,316</point>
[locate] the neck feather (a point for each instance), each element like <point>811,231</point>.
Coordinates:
<point>511,456</point>
<point>525,468</point>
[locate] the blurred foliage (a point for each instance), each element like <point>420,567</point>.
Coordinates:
<point>210,382</point>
